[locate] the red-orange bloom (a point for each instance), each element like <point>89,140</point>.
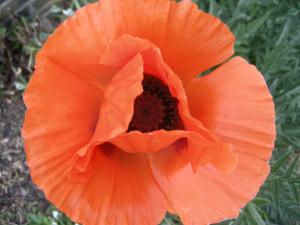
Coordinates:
<point>119,129</point>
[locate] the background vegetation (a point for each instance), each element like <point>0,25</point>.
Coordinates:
<point>268,35</point>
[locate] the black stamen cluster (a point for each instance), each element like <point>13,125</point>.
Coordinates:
<point>155,108</point>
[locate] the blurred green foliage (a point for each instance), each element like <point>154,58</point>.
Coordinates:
<point>268,35</point>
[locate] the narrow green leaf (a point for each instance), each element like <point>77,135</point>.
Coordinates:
<point>214,7</point>
<point>262,201</point>
<point>276,166</point>
<point>291,167</point>
<point>274,189</point>
<point>254,25</point>
<point>284,32</point>
<point>294,191</point>
<point>3,32</point>
<point>76,4</point>
<point>255,215</point>
<point>167,221</point>
<point>294,213</point>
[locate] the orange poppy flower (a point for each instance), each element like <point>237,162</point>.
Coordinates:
<point>119,129</point>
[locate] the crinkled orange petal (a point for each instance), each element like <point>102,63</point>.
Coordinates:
<point>197,148</point>
<point>120,51</point>
<point>58,105</point>
<point>116,109</point>
<point>122,191</point>
<point>235,104</point>
<point>198,197</point>
<point>78,43</point>
<point>137,142</point>
<point>62,113</point>
<point>78,40</point>
<point>98,75</point>
<point>118,103</point>
<point>61,118</point>
<point>190,40</point>
<point>221,155</point>
<point>225,158</point>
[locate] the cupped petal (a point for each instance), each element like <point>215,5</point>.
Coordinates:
<point>77,45</point>
<point>58,104</point>
<point>61,117</point>
<point>121,192</point>
<point>138,142</point>
<point>79,40</point>
<point>234,103</point>
<point>115,113</point>
<point>198,150</point>
<point>118,103</point>
<point>190,40</point>
<point>206,196</point>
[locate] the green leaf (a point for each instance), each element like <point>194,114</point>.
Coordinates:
<point>167,221</point>
<point>277,165</point>
<point>77,4</point>
<point>3,31</point>
<point>255,215</point>
<point>214,7</point>
<point>294,191</point>
<point>284,33</point>
<point>291,167</point>
<point>294,213</point>
<point>261,201</point>
<point>38,219</point>
<point>275,192</point>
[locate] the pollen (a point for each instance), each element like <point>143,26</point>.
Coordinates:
<point>155,108</point>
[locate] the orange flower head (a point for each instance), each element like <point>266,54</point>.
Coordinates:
<point>119,129</point>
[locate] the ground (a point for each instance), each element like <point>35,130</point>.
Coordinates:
<point>18,195</point>
<point>268,36</point>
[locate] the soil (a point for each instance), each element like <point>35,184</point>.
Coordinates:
<point>18,195</point>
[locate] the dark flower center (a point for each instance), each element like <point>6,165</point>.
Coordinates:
<point>155,108</point>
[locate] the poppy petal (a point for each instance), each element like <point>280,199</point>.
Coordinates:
<point>59,103</point>
<point>77,45</point>
<point>198,149</point>
<point>116,110</point>
<point>138,142</point>
<point>118,104</point>
<point>62,112</point>
<point>54,133</point>
<point>87,39</point>
<point>190,40</point>
<point>226,104</point>
<point>122,191</point>
<point>206,196</point>
<point>77,41</point>
<point>235,104</point>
